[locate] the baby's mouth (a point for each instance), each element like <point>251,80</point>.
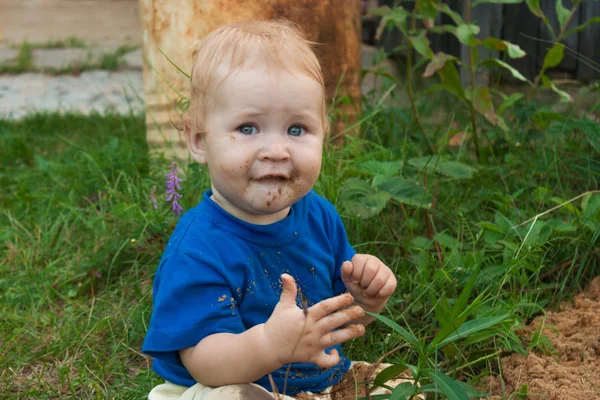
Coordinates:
<point>272,178</point>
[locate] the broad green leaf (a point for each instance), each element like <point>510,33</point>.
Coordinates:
<point>421,44</point>
<point>562,13</point>
<point>494,62</point>
<point>465,294</point>
<point>414,371</point>
<point>534,7</point>
<point>407,192</point>
<point>465,33</point>
<point>421,243</point>
<point>361,199</point>
<point>429,162</point>
<point>489,226</point>
<point>565,97</point>
<point>482,101</point>
<point>457,170</point>
<point>590,205</point>
<point>395,17</point>
<point>379,11</point>
<point>469,328</point>
<point>388,374</point>
<point>471,392</point>
<point>445,8</point>
<point>444,29</point>
<point>451,169</point>
<point>447,241</point>
<point>447,326</point>
<point>437,61</point>
<point>443,312</point>
<point>431,388</point>
<point>385,168</point>
<point>451,81</point>
<point>379,179</point>
<point>448,385</point>
<point>509,102</point>
<point>409,337</point>
<point>593,20</point>
<point>555,56</point>
<point>427,11</point>
<point>513,50</point>
<point>403,391</point>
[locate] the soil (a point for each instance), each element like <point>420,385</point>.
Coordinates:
<point>566,369</point>
<point>353,386</point>
<point>346,388</point>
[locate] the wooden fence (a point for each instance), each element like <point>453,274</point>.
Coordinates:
<point>516,24</point>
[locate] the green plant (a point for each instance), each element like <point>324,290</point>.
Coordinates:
<point>478,99</point>
<point>68,42</point>
<point>23,62</point>
<point>418,25</point>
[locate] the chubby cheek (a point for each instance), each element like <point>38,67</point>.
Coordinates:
<point>314,170</point>
<point>311,167</point>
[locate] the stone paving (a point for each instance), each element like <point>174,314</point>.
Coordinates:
<point>92,91</point>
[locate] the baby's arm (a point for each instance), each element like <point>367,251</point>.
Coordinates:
<point>370,281</point>
<point>290,335</point>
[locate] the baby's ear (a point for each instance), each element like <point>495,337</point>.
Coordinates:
<point>195,142</point>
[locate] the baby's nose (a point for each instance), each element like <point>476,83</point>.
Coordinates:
<point>275,150</point>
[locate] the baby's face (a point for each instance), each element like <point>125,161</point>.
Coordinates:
<point>264,142</point>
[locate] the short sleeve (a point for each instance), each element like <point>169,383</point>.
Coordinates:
<point>192,300</point>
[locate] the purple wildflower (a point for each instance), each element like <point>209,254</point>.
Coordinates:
<point>172,182</point>
<point>153,198</point>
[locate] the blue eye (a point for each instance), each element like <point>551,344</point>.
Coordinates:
<point>296,130</point>
<point>248,130</point>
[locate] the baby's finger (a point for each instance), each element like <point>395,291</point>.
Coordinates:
<point>325,360</point>
<point>372,267</point>
<point>377,283</point>
<point>358,267</point>
<point>289,292</point>
<point>340,318</point>
<point>328,306</point>
<point>388,288</point>
<point>347,272</point>
<point>342,335</point>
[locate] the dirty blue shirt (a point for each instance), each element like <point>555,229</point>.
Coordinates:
<point>221,274</point>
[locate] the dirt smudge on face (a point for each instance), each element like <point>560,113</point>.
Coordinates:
<point>572,369</point>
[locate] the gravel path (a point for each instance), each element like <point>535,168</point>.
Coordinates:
<point>99,91</point>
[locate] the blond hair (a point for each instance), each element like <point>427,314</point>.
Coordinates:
<point>277,43</point>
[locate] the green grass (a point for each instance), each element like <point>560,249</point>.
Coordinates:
<point>24,62</point>
<point>80,241</point>
<point>71,42</point>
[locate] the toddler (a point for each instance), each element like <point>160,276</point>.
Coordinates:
<point>258,286</point>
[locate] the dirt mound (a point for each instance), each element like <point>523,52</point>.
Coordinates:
<point>569,367</point>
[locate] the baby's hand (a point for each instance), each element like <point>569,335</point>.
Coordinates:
<point>369,280</point>
<point>296,336</point>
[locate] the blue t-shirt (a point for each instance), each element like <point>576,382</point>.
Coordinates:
<point>221,274</point>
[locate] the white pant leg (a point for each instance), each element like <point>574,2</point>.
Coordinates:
<point>250,391</point>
